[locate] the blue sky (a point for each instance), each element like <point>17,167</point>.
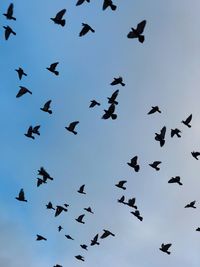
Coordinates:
<point>163,71</point>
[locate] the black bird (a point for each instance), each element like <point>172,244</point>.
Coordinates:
<point>195,154</point>
<point>187,121</point>
<point>155,164</point>
<point>72,126</point>
<point>121,200</point>
<point>89,210</point>
<point>20,72</point>
<point>110,113</point>
<point>134,164</point>
<point>59,209</point>
<point>109,3</point>
<point>118,80</point>
<point>79,257</point>
<point>94,103</point>
<point>137,214</point>
<point>161,137</point>
<point>50,206</point>
<point>44,173</point>
<point>112,99</point>
<point>81,189</point>
<point>40,181</point>
<point>35,130</point>
<point>176,179</point>
<point>137,33</point>
<point>131,203</point>
<point>21,196</point>
<point>30,133</point>
<point>59,228</point>
<point>80,219</point>
<point>23,90</point>
<point>80,2</point>
<point>198,229</point>
<point>84,246</point>
<point>121,184</point>
<point>175,132</point>
<point>86,28</point>
<point>106,234</point>
<point>154,110</point>
<point>46,107</point>
<point>191,205</point>
<point>165,247</point>
<point>9,14</point>
<point>40,237</point>
<point>69,237</point>
<point>8,31</point>
<point>52,68</point>
<point>59,18</point>
<point>94,240</point>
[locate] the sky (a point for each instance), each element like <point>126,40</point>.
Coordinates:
<point>162,71</point>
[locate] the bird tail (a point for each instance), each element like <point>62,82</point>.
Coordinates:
<point>49,111</point>
<point>62,22</point>
<point>162,142</point>
<point>136,168</point>
<point>92,30</point>
<point>13,18</point>
<point>114,116</point>
<point>113,7</point>
<point>74,132</point>
<point>141,38</point>
<point>180,183</point>
<point>168,252</point>
<point>14,32</point>
<point>123,84</point>
<point>56,72</point>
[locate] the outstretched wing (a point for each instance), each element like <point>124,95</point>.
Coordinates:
<point>47,104</point>
<point>114,95</point>
<point>53,65</point>
<point>134,160</point>
<point>167,246</point>
<point>162,132</point>
<point>188,120</point>
<point>80,217</point>
<point>82,188</point>
<point>21,194</point>
<point>80,2</point>
<point>60,14</point>
<point>10,9</point>
<point>73,124</point>
<point>140,26</point>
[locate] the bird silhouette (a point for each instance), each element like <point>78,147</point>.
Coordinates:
<point>110,113</point>
<point>176,179</point>
<point>8,32</point>
<point>71,127</point>
<point>134,164</point>
<point>86,28</point>
<point>117,81</point>
<point>195,154</point>
<point>175,132</point>
<point>106,234</point>
<point>9,13</point>
<point>35,130</point>
<point>109,3</point>
<point>89,210</point>
<point>155,164</point>
<point>58,19</point>
<point>121,200</point>
<point>161,137</point>
<point>69,237</point>
<point>94,241</point>
<point>154,110</point>
<point>59,228</point>
<point>137,33</point>
<point>20,73</point>
<point>121,184</point>
<point>21,196</point>
<point>137,214</point>
<point>80,2</point>
<point>44,173</point>
<point>40,182</point>
<point>191,205</point>
<point>50,206</point>
<point>131,203</point>
<point>29,133</point>
<point>52,68</point>
<point>59,209</point>
<point>84,246</point>
<point>94,103</point>
<point>79,257</point>
<point>112,99</point>
<point>198,229</point>
<point>81,189</point>
<point>187,121</point>
<point>80,219</point>
<point>165,247</point>
<point>46,107</point>
<point>40,237</point>
<point>23,90</point>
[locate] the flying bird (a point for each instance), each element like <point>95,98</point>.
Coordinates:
<point>137,33</point>
<point>175,132</point>
<point>30,133</point>
<point>50,206</point>
<point>9,13</point>
<point>59,209</point>
<point>112,99</point>
<point>131,203</point>
<point>154,110</point>
<point>69,237</point>
<point>94,103</point>
<point>176,179</point>
<point>58,19</point>
<point>21,196</point>
<point>71,127</point>
<point>89,210</point>
<point>84,246</point>
<point>46,107</point>
<point>121,200</point>
<point>191,205</point>
<point>80,219</point>
<point>195,154</point>
<point>79,257</point>
<point>52,68</point>
<point>8,32</point>
<point>155,165</point>
<point>23,90</point>
<point>109,3</point>
<point>121,184</point>
<point>81,189</point>
<point>40,237</point>
<point>137,214</point>
<point>59,228</point>
<point>165,247</point>
<point>44,173</point>
<point>134,164</point>
<point>110,113</point>
<point>106,234</point>
<point>187,121</point>
<point>20,72</point>
<point>118,80</point>
<point>94,241</point>
<point>161,137</point>
<point>80,2</point>
<point>86,28</point>
<point>198,229</point>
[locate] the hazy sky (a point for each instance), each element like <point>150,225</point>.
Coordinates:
<point>162,71</point>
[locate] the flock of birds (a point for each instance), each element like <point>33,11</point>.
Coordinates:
<point>109,113</point>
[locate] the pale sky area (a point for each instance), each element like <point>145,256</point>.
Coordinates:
<point>163,71</point>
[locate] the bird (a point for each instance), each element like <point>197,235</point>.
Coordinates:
<point>198,229</point>
<point>176,132</point>
<point>72,126</point>
<point>21,196</point>
<point>9,13</point>
<point>175,180</point>
<point>84,246</point>
<point>58,19</point>
<point>35,130</point>
<point>94,241</point>
<point>153,110</point>
<point>191,205</point>
<point>69,237</point>
<point>195,154</point>
<point>106,234</point>
<point>30,133</point>
<point>89,210</point>
<point>121,200</point>
<point>134,164</point>
<point>112,99</point>
<point>86,28</point>
<point>137,214</point>
<point>59,228</point>
<point>165,247</point>
<point>109,3</point>
<point>94,103</point>
<point>110,113</point>
<point>59,209</point>
<point>118,80</point>
<point>80,2</point>
<point>121,184</point>
<point>187,121</point>
<point>40,181</point>
<point>79,257</point>
<point>40,237</point>
<point>46,107</point>
<point>81,189</point>
<point>44,173</point>
<point>8,32</point>
<point>23,90</point>
<point>161,137</point>
<point>50,206</point>
<point>80,219</point>
<point>20,72</point>
<point>52,68</point>
<point>155,164</point>
<point>131,203</point>
<point>137,33</point>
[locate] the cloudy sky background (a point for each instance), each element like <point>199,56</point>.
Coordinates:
<point>163,71</point>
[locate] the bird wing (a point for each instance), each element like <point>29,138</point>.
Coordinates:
<point>80,2</point>
<point>96,238</point>
<point>105,234</point>
<point>111,109</point>
<point>114,95</point>
<point>54,65</point>
<point>10,9</point>
<point>36,128</point>
<point>167,246</point>
<point>30,130</point>
<point>58,211</point>
<point>121,183</point>
<point>84,30</point>
<point>134,160</point>
<point>73,124</point>
<point>140,26</point>
<point>188,120</point>
<point>82,188</point>
<point>193,202</point>
<point>162,132</point>
<point>21,194</point>
<point>80,217</point>
<point>132,34</point>
<point>47,104</point>
<point>60,14</point>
